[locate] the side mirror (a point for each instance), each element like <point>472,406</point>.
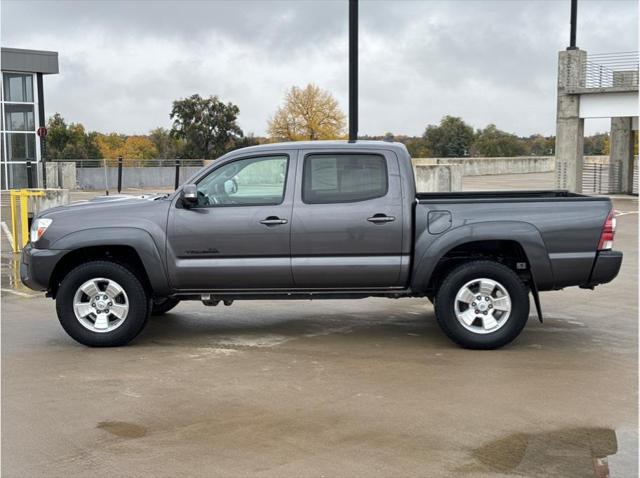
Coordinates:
<point>189,195</point>
<point>230,186</point>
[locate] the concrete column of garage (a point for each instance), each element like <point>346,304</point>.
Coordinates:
<point>569,125</point>
<point>621,153</point>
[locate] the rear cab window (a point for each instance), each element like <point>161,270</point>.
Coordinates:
<point>342,178</point>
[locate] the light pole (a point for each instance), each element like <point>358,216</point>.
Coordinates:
<point>353,70</point>
<point>574,21</point>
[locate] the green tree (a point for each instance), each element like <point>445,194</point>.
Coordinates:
<point>248,140</point>
<point>206,125</point>
<point>168,147</point>
<point>452,138</point>
<point>70,141</point>
<point>415,145</point>
<point>538,145</point>
<point>492,142</point>
<point>596,144</point>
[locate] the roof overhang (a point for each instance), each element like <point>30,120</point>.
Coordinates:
<point>29,61</point>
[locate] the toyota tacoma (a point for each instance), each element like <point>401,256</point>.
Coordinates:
<point>317,220</point>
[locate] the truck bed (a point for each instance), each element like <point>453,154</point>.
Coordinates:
<point>502,196</point>
<point>561,228</point>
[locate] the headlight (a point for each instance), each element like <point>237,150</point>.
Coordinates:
<point>38,226</point>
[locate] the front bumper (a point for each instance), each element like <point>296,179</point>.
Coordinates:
<point>37,265</point>
<point>605,268</point>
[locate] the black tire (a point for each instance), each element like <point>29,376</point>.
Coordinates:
<point>138,301</point>
<point>164,305</point>
<point>461,275</point>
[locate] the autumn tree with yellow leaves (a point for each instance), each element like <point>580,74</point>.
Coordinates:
<point>114,145</point>
<point>308,113</point>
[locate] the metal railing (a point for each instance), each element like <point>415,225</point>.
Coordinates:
<point>130,163</point>
<point>605,178</point>
<point>608,70</point>
<point>123,173</point>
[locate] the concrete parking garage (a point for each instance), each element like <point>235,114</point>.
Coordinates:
<point>327,388</point>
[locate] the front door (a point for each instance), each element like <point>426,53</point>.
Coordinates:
<point>238,234</point>
<point>347,225</point>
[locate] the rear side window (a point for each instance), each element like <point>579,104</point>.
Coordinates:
<point>336,178</point>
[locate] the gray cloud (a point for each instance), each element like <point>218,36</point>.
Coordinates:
<point>122,63</point>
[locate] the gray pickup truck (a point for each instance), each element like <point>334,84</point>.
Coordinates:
<point>317,220</point>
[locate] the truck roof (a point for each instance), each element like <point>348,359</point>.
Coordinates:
<point>367,144</point>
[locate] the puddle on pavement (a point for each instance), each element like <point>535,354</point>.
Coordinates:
<point>123,429</point>
<point>10,271</point>
<point>570,452</point>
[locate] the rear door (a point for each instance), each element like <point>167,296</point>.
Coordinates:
<point>238,235</point>
<point>347,222</point>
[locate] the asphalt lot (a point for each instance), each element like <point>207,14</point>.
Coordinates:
<point>327,388</point>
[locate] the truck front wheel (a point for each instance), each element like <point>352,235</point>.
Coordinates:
<point>102,304</point>
<point>482,305</point>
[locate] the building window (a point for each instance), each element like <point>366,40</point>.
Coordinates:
<point>18,126</point>
<point>21,147</point>
<point>18,87</point>
<point>19,117</point>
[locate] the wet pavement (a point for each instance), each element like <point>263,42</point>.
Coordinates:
<point>327,388</point>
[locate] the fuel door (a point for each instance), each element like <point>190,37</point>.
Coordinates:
<point>439,221</point>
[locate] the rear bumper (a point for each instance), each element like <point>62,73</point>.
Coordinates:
<point>605,268</point>
<point>37,265</point>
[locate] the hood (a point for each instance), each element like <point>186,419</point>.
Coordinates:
<point>104,202</point>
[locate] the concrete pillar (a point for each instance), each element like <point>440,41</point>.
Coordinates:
<point>621,155</point>
<point>569,125</point>
<point>67,177</point>
<point>438,178</point>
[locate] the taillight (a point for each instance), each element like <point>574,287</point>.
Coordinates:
<point>608,231</point>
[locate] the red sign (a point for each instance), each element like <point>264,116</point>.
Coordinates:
<point>42,132</point>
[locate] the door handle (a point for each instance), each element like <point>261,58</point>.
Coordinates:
<point>380,218</point>
<point>273,221</point>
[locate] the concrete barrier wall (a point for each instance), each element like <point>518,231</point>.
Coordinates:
<point>151,177</point>
<point>60,174</point>
<point>51,198</point>
<point>52,175</point>
<point>438,177</point>
<point>602,159</point>
<point>486,166</point>
<point>68,176</point>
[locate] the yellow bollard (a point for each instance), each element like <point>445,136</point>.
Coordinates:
<point>22,195</point>
<point>14,226</point>
<point>24,217</point>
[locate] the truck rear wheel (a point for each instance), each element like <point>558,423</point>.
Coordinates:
<point>482,305</point>
<point>102,304</point>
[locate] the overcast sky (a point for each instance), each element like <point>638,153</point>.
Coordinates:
<point>122,63</point>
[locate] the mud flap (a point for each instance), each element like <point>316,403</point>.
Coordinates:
<point>536,299</point>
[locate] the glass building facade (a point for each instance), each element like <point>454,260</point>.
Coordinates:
<point>19,124</point>
<point>22,113</point>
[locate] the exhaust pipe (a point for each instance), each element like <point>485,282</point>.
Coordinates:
<point>208,301</point>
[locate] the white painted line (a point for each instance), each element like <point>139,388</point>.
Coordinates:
<point>624,213</point>
<point>7,232</point>
<point>17,292</point>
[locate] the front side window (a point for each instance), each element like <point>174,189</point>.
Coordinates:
<point>251,181</point>
<point>336,178</point>
<point>18,87</point>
